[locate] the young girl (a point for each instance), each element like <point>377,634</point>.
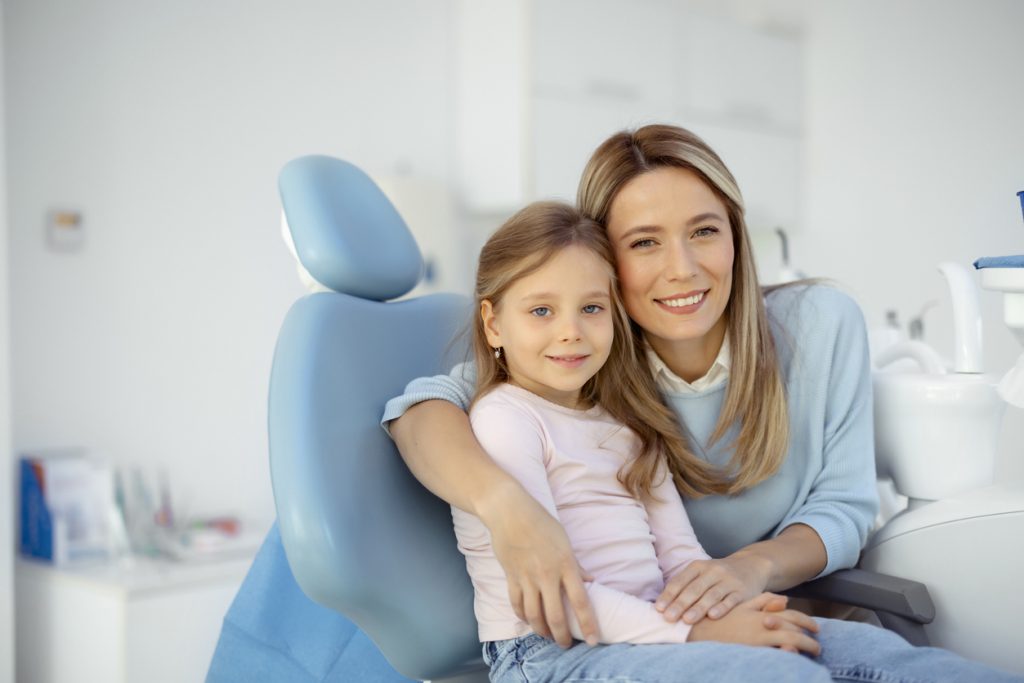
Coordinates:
<point>560,391</point>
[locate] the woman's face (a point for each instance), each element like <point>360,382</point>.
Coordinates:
<point>674,248</point>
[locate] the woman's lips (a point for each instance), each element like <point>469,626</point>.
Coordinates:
<point>683,304</point>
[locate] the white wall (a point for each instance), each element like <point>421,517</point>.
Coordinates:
<point>915,151</point>
<point>165,124</point>
<point>8,499</point>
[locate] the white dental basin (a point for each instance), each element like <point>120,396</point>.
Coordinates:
<point>936,432</point>
<point>936,435</point>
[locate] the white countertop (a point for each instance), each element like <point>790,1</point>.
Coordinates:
<point>138,575</point>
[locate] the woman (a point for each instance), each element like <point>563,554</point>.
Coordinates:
<point>771,387</point>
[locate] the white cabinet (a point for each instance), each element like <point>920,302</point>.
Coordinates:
<point>597,66</point>
<point>737,74</point>
<point>560,77</point>
<point>490,98</point>
<point>153,621</point>
<point>605,49</point>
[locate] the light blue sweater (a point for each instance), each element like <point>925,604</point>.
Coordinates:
<point>827,480</point>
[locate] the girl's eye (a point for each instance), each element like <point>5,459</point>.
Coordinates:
<point>642,243</point>
<point>706,232</point>
<point>541,311</point>
<point>593,308</point>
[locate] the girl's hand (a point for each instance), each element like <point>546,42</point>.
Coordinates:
<point>770,602</point>
<point>762,621</point>
<point>541,568</point>
<point>712,587</point>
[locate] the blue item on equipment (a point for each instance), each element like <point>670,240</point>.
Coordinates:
<point>346,232</point>
<point>1000,262</point>
<point>358,530</point>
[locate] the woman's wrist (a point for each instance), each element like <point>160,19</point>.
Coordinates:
<point>757,565</point>
<point>794,556</point>
<point>495,499</point>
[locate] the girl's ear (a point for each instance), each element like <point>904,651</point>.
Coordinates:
<point>490,321</point>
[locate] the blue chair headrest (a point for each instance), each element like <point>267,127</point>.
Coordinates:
<point>346,232</point>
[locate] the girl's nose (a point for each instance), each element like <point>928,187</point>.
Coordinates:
<point>571,331</point>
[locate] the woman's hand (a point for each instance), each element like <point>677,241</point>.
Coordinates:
<point>713,587</point>
<point>540,566</point>
<point>762,621</point>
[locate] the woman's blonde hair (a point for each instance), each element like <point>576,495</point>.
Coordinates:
<point>624,385</point>
<point>755,398</point>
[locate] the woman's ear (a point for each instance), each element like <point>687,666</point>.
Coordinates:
<point>490,320</point>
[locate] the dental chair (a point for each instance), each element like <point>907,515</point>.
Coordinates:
<point>357,535</point>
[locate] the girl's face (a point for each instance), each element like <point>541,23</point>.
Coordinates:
<point>555,325</point>
<point>674,248</point>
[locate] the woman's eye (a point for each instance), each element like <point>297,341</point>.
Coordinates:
<point>642,243</point>
<point>706,232</point>
<point>593,308</point>
<point>541,311</point>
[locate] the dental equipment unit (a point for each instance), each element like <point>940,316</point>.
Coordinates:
<point>936,436</point>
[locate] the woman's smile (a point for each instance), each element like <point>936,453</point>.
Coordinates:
<point>682,304</point>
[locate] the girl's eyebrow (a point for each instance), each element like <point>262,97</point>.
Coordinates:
<point>595,294</point>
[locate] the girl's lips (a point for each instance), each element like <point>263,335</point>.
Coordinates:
<point>573,361</point>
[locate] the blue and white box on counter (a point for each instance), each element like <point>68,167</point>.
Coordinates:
<point>66,500</point>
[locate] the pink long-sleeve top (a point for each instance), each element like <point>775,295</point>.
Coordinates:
<point>569,461</point>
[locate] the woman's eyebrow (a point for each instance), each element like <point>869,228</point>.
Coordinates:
<point>641,230</point>
<point>700,218</point>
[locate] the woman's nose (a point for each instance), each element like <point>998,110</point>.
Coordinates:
<point>681,263</point>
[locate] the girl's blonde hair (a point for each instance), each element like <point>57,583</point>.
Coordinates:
<point>755,399</point>
<point>624,386</point>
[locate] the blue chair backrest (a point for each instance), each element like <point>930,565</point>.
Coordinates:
<point>361,535</point>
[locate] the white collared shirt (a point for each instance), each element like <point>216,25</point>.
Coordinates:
<point>670,382</point>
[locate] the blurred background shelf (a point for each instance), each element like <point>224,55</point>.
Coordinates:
<point>147,619</point>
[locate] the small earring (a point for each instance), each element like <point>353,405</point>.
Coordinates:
<point>497,353</point>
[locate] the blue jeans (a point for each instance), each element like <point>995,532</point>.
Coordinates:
<point>850,651</point>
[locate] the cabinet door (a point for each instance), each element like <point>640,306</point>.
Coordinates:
<point>734,72</point>
<point>490,92</point>
<point>567,131</point>
<point>605,48</point>
<point>67,630</point>
<point>171,635</point>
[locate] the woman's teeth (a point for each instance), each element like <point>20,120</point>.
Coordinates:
<point>688,301</point>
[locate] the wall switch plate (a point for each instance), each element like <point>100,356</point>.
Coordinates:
<point>65,230</point>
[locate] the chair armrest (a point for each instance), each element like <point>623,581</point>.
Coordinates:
<point>870,590</point>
